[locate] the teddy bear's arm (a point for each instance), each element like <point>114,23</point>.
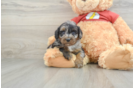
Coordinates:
<point>124,32</point>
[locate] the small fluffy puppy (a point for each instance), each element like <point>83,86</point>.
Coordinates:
<point>68,37</point>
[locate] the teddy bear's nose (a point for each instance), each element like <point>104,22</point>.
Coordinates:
<point>84,0</point>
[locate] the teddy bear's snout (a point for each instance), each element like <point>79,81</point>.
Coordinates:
<point>87,5</point>
<point>84,0</point>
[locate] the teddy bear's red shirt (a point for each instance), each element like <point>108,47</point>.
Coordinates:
<point>97,16</point>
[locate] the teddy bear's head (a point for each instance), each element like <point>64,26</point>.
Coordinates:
<point>86,6</point>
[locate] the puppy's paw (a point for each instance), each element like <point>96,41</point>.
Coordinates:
<point>67,56</point>
<point>78,64</point>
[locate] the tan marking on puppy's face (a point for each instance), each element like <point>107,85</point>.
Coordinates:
<point>63,28</point>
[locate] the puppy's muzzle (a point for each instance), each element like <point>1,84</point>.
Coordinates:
<point>68,39</point>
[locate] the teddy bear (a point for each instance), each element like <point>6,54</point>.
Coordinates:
<point>107,39</point>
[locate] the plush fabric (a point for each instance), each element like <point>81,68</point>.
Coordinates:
<point>91,5</point>
<point>110,44</point>
<point>123,31</point>
<point>121,56</point>
<point>97,37</point>
<point>53,56</point>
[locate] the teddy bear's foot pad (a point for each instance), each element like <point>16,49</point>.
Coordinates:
<point>119,57</point>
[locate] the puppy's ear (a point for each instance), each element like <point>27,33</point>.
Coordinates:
<point>57,34</point>
<point>80,34</point>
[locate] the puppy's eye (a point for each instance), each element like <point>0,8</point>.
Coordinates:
<point>62,33</point>
<point>73,33</point>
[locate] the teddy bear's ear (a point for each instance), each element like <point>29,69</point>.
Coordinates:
<point>105,4</point>
<point>70,1</point>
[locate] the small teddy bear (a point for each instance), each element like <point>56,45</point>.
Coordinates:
<point>107,39</point>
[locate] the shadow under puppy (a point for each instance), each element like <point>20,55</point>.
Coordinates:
<point>68,37</point>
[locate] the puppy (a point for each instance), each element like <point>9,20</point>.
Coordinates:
<point>68,37</point>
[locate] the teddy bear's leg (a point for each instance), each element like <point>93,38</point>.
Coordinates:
<point>53,57</point>
<point>119,57</point>
<point>51,40</point>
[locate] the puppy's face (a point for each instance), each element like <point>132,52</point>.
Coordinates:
<point>68,33</point>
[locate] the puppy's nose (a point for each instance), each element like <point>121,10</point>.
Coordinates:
<point>67,40</point>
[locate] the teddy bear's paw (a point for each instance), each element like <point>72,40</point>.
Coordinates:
<point>51,40</point>
<point>50,56</point>
<point>54,58</point>
<point>119,57</point>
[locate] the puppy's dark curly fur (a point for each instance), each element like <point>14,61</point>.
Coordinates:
<point>68,37</point>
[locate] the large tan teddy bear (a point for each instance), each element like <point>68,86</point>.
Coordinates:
<point>107,39</point>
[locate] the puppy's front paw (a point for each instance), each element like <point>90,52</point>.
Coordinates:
<point>78,64</point>
<point>67,56</point>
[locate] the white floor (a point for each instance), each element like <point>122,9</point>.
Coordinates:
<point>32,73</point>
